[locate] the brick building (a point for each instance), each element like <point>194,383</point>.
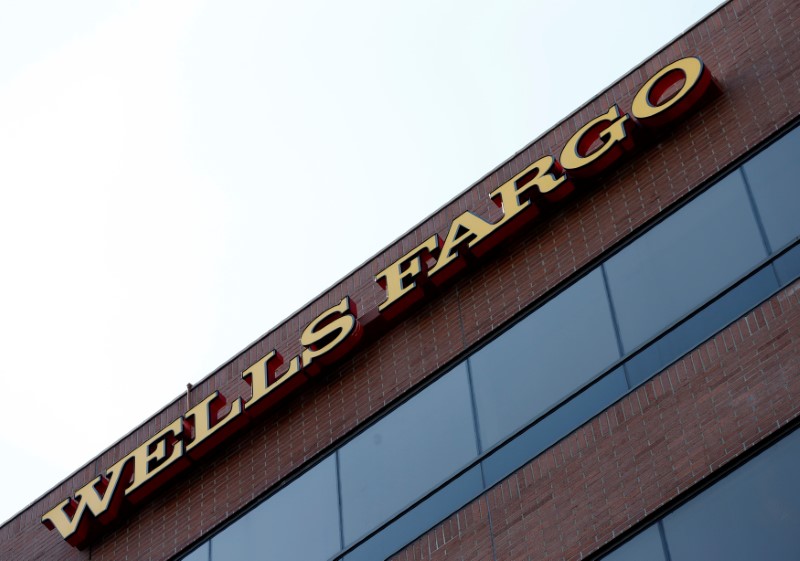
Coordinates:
<point>617,376</point>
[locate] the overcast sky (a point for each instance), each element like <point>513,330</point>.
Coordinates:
<point>176,177</point>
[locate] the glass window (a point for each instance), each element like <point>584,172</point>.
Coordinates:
<point>718,314</point>
<point>407,453</point>
<point>753,513</point>
<point>774,177</point>
<point>555,426</point>
<point>299,522</point>
<point>646,546</point>
<point>787,266</point>
<point>702,325</point>
<point>199,554</point>
<point>684,260</point>
<point>543,358</point>
<point>645,364</point>
<point>419,519</point>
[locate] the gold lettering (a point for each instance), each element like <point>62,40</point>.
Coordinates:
<point>204,418</point>
<point>578,158</point>
<point>265,385</point>
<point>401,277</point>
<point>97,496</point>
<point>466,231</point>
<point>325,337</point>
<point>258,375</point>
<point>157,454</point>
<point>520,192</point>
<point>650,109</point>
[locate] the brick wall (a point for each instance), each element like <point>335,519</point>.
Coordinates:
<point>751,49</point>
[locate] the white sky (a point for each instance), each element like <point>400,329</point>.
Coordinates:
<point>176,177</point>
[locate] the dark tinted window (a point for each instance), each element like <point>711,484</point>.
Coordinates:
<point>419,519</point>
<point>754,513</point>
<point>646,546</point>
<point>684,260</point>
<point>407,453</point>
<point>555,426</point>
<point>774,177</point>
<point>543,358</point>
<point>300,522</point>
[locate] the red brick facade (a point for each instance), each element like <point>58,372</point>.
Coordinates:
<point>656,443</point>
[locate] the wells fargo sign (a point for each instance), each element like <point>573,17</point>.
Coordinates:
<point>599,143</point>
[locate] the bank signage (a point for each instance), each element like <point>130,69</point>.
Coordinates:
<point>598,144</point>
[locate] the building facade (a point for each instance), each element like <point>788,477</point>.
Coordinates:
<point>615,374</point>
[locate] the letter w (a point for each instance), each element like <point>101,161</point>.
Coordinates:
<point>98,496</point>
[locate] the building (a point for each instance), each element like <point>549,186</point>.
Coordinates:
<point>616,375</point>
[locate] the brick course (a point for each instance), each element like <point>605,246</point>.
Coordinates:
<point>751,49</point>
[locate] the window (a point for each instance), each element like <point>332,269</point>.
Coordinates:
<point>774,178</point>
<point>684,260</point>
<point>543,358</point>
<point>407,453</point>
<point>300,522</point>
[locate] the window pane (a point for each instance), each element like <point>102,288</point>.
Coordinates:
<point>730,306</point>
<point>300,522</point>
<point>407,453</point>
<point>644,364</point>
<point>199,554</point>
<point>555,426</point>
<point>646,546</point>
<point>788,266</point>
<point>421,518</point>
<point>683,261</point>
<point>774,177</point>
<point>543,358</point>
<point>702,325</point>
<point>753,513</point>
